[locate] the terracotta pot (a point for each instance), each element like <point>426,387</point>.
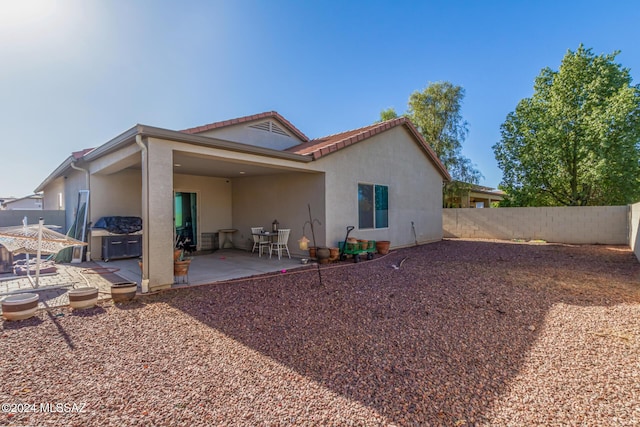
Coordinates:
<point>19,306</point>
<point>382,246</point>
<point>312,252</point>
<point>323,255</point>
<point>83,297</point>
<point>181,268</point>
<point>334,253</point>
<point>124,291</point>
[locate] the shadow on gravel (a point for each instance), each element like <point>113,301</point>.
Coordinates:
<point>132,305</point>
<point>434,342</point>
<point>55,319</point>
<point>88,312</point>
<point>20,324</point>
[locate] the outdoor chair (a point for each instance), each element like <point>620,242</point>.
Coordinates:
<point>258,240</point>
<point>281,243</point>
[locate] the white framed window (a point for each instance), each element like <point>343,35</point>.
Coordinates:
<point>373,206</point>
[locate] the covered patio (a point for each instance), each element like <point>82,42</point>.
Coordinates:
<point>219,266</point>
<point>210,187</point>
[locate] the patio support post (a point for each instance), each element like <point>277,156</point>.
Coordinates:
<point>39,252</point>
<point>157,202</point>
<point>144,213</point>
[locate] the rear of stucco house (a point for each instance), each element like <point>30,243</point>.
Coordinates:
<point>249,171</point>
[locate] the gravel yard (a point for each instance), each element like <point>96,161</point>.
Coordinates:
<point>463,333</point>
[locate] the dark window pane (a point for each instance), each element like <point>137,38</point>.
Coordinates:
<point>365,206</point>
<point>382,206</point>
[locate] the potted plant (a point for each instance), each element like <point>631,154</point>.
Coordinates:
<point>123,291</point>
<point>85,297</point>
<point>382,246</point>
<point>181,263</point>
<point>323,253</point>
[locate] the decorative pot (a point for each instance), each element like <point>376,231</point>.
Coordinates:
<point>83,297</point>
<point>323,255</point>
<point>382,247</point>
<point>181,268</point>
<point>312,252</point>
<point>19,306</point>
<point>124,291</point>
<point>334,253</point>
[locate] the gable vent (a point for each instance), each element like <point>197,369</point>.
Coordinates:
<point>276,129</point>
<point>265,126</point>
<point>269,126</point>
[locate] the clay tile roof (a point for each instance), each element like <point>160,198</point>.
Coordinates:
<point>322,146</point>
<point>254,117</point>
<point>80,154</point>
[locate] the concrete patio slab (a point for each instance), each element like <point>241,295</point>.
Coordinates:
<point>221,265</point>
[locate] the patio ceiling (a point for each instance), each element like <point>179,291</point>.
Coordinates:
<point>203,165</point>
<point>194,164</point>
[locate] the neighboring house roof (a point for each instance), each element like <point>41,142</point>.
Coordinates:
<point>266,115</point>
<point>19,199</point>
<point>322,146</point>
<point>486,190</point>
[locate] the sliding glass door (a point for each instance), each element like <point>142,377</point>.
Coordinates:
<point>185,214</point>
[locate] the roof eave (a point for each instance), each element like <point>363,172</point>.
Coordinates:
<point>432,154</point>
<point>207,141</point>
<point>248,119</point>
<point>124,138</point>
<point>333,147</point>
<point>55,174</point>
<point>128,137</point>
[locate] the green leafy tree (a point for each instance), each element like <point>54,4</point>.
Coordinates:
<point>388,114</point>
<point>435,112</point>
<point>575,141</point>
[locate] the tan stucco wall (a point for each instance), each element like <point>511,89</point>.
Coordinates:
<point>257,201</point>
<point>415,189</point>
<point>50,197</point>
<point>118,194</point>
<point>214,201</point>
<point>579,225</point>
<point>74,182</point>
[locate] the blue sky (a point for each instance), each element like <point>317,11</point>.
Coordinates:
<point>77,73</point>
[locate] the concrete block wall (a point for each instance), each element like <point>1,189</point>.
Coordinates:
<point>12,218</point>
<point>634,224</point>
<point>579,225</point>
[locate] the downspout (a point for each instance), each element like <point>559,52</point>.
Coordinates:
<point>144,284</point>
<point>87,183</point>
